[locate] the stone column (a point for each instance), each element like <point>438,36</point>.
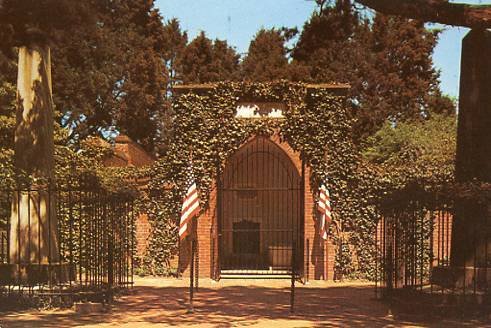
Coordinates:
<point>473,160</point>
<point>33,225</point>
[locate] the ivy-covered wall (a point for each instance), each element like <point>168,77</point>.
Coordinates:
<point>316,123</point>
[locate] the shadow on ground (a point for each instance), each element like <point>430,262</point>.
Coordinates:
<point>229,306</point>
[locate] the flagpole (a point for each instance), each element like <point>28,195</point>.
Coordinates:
<point>179,261</point>
<point>196,254</point>
<point>189,212</point>
<point>191,279</point>
<point>194,231</point>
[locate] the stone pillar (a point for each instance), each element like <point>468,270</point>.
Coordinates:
<point>473,161</point>
<point>33,225</point>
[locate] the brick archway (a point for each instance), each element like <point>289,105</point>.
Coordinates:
<point>317,255</point>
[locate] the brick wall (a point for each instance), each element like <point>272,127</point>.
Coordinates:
<point>318,255</point>
<point>128,153</point>
<point>142,234</point>
<point>442,238</point>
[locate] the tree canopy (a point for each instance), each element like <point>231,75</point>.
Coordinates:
<point>112,77</point>
<point>422,152</point>
<point>386,60</point>
<point>26,21</point>
<point>266,59</point>
<point>115,63</point>
<point>204,60</point>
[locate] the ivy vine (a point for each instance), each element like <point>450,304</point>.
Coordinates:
<point>317,123</point>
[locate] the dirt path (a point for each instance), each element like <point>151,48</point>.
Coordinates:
<point>159,302</point>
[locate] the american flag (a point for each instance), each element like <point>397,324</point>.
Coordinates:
<point>190,208</point>
<point>324,207</point>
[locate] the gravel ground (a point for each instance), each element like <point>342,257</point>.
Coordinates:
<point>161,302</point>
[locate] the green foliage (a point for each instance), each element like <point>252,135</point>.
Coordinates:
<point>387,61</point>
<point>421,152</point>
<point>204,60</point>
<point>266,59</point>
<point>161,206</point>
<point>344,261</point>
<point>316,124</point>
<point>7,124</point>
<point>107,59</point>
<point>23,22</point>
<point>112,75</point>
<point>8,74</point>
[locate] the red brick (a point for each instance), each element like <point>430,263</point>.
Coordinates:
<point>320,261</point>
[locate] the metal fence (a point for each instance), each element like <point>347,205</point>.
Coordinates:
<point>73,243</point>
<point>427,260</point>
<point>3,245</point>
<point>259,212</point>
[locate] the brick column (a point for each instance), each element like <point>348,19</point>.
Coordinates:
<point>203,234</point>
<point>319,254</point>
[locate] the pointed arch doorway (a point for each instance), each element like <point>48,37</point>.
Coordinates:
<point>260,211</point>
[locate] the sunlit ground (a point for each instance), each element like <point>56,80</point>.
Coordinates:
<point>160,302</point>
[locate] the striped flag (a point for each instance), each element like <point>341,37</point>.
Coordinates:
<point>190,208</point>
<point>324,207</point>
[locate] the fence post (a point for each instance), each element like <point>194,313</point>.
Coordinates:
<point>191,278</point>
<point>308,261</point>
<point>292,287</point>
<point>390,265</point>
<point>376,257</point>
<point>110,259</point>
<point>196,256</point>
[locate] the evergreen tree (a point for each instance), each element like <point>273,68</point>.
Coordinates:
<point>206,61</point>
<point>405,83</point>
<point>266,59</point>
<point>175,41</point>
<point>387,62</point>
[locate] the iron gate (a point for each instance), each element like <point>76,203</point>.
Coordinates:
<point>260,211</point>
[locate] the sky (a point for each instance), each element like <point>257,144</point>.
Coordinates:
<point>237,21</point>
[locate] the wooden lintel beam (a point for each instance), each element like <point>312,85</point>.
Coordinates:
<point>209,86</point>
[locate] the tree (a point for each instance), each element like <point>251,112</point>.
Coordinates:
<point>405,83</point>
<point>334,46</point>
<point>386,60</point>
<point>25,21</point>
<point>206,61</point>
<point>109,69</point>
<point>421,152</point>
<point>113,77</point>
<point>266,59</point>
<point>175,41</point>
<point>8,72</point>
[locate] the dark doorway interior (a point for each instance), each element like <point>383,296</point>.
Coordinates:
<point>260,211</point>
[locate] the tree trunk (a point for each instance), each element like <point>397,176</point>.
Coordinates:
<point>436,11</point>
